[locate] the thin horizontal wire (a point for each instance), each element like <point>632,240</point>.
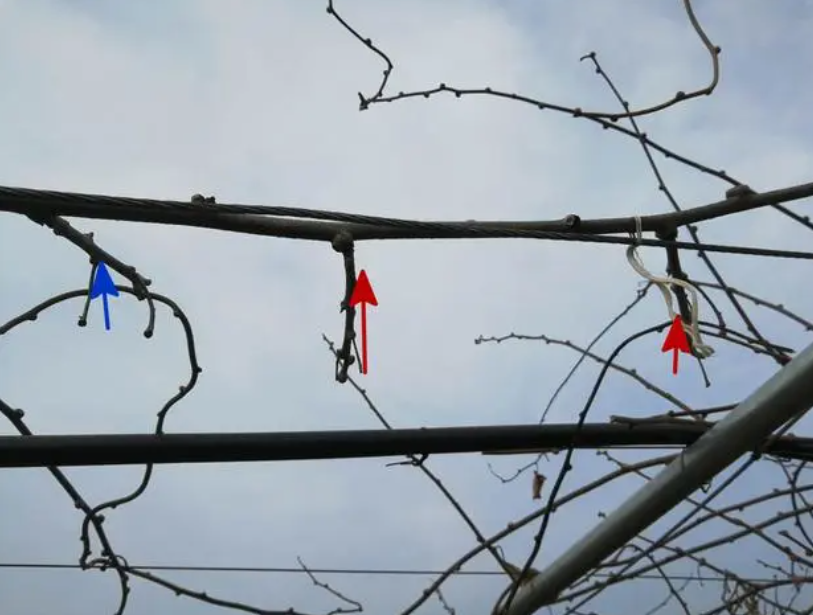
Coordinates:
<point>345,571</point>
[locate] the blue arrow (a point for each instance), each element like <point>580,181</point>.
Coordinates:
<point>103,285</point>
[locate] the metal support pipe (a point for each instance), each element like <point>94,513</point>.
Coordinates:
<point>118,449</point>
<point>785,395</point>
<point>122,449</point>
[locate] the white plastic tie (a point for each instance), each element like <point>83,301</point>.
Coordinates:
<point>664,285</point>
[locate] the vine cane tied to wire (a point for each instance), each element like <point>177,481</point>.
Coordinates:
<point>701,350</point>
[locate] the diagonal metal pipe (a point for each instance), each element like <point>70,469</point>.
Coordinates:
<point>785,395</point>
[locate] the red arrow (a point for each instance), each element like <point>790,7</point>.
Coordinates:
<point>675,341</point>
<point>363,294</point>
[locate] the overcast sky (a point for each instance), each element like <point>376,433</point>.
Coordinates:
<point>255,102</point>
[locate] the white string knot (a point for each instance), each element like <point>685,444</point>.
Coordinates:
<point>664,285</point>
